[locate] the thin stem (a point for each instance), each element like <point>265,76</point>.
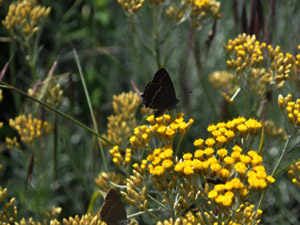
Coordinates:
<point>200,75</point>
<point>90,107</point>
<point>146,28</point>
<point>55,144</point>
<point>135,53</point>
<point>275,168</point>
<point>156,38</point>
<point>179,143</point>
<point>45,105</point>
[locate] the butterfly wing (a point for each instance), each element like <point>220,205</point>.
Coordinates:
<point>160,93</point>
<point>152,87</point>
<point>113,211</point>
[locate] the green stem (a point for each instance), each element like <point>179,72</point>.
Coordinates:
<point>179,143</point>
<point>200,75</point>
<point>55,144</point>
<point>135,53</point>
<point>90,107</point>
<point>45,105</point>
<point>275,168</point>
<point>156,38</point>
<point>31,58</point>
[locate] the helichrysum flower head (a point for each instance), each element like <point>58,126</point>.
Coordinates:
<point>12,142</point>
<point>131,6</point>
<point>50,92</point>
<point>195,10</point>
<point>234,170</point>
<point>247,59</point>
<point>8,210</point>
<point>164,128</point>
<point>30,128</point>
<point>24,17</point>
<point>290,110</point>
<point>122,123</point>
<point>202,9</point>
<point>294,173</point>
<point>222,170</point>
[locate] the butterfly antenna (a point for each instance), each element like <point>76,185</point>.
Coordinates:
<point>186,93</point>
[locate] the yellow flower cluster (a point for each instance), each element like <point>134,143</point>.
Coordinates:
<point>131,6</point>
<point>122,122</point>
<point>117,157</point>
<point>52,95</point>
<point>232,171</point>
<point>238,172</point>
<point>247,53</point>
<point>161,165</point>
<point>12,142</point>
<point>245,214</point>
<point>86,219</point>
<point>134,196</point>
<point>25,17</point>
<point>102,181</point>
<point>202,9</point>
<point>29,128</point>
<point>297,62</point>
<point>8,212</point>
<point>281,64</point>
<point>294,173</point>
<point>141,136</point>
<point>198,10</point>
<point>188,219</point>
<point>164,127</point>
<point>1,96</point>
<point>273,130</point>
<point>161,159</point>
<point>290,109</point>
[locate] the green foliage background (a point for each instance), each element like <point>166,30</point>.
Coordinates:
<point>101,33</point>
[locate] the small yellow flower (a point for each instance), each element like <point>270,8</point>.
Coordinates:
<point>187,156</point>
<point>210,142</point>
<point>213,194</point>
<point>158,171</point>
<point>208,151</point>
<point>199,143</point>
<point>222,152</point>
<point>167,163</point>
<point>240,168</point>
<point>228,160</point>
<point>188,170</point>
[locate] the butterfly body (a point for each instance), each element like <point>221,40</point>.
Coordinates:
<point>160,93</point>
<point>113,211</point>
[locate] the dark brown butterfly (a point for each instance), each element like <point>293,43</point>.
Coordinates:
<point>160,93</point>
<point>113,211</point>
